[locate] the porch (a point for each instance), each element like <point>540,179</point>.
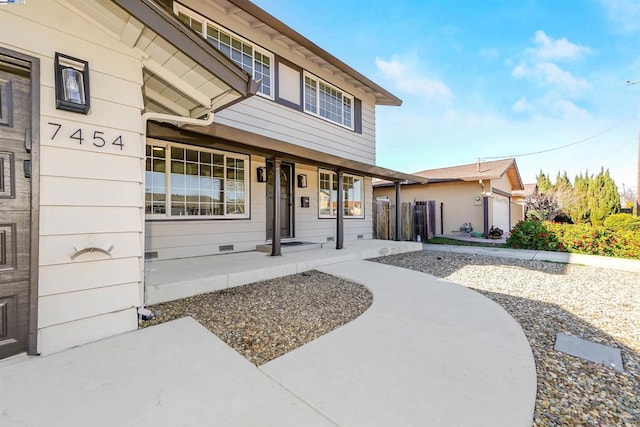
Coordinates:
<point>171,279</point>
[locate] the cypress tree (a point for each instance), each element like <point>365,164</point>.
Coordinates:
<point>604,198</point>
<point>579,208</point>
<point>543,182</point>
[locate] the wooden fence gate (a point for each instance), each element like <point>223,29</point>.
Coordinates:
<point>418,219</point>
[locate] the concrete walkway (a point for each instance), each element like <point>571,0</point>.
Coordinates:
<point>166,280</point>
<point>427,352</point>
<point>561,257</point>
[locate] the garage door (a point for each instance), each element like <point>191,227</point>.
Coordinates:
<point>501,212</point>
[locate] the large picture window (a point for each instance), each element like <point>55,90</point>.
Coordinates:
<point>323,100</point>
<point>185,181</point>
<point>353,195</point>
<point>253,59</point>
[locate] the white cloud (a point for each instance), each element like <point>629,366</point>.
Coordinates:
<point>406,78</point>
<point>624,14</point>
<point>549,74</point>
<point>521,105</point>
<point>549,49</point>
<point>569,110</point>
<point>539,64</point>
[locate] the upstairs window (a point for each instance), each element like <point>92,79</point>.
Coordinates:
<point>253,59</point>
<point>326,101</point>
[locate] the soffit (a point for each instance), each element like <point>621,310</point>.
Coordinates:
<point>256,18</point>
<point>182,74</point>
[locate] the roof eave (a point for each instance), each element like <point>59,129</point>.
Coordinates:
<point>170,28</point>
<point>383,96</point>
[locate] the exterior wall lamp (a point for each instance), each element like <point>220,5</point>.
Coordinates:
<point>72,84</point>
<point>261,174</point>
<point>302,180</point>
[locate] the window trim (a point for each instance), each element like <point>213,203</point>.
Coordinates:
<point>318,80</point>
<point>227,154</point>
<point>179,8</point>
<point>333,174</point>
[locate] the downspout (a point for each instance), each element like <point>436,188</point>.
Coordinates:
<point>145,313</point>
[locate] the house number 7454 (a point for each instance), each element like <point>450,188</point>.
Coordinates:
<point>97,138</point>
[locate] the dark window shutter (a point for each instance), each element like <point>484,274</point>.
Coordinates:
<point>357,115</point>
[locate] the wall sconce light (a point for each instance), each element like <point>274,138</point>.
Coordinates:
<point>72,84</point>
<point>261,174</point>
<point>302,181</point>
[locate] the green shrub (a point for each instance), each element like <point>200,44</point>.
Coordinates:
<point>575,238</point>
<point>622,222</point>
<point>533,234</point>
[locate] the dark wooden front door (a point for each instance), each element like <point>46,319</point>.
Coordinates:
<point>286,201</point>
<point>15,207</point>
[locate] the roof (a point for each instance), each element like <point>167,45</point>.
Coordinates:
<point>470,172</point>
<point>182,73</point>
<point>276,30</point>
<point>528,190</point>
<point>476,171</point>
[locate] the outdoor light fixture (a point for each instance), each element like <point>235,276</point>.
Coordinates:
<point>302,181</point>
<point>261,174</point>
<point>72,84</point>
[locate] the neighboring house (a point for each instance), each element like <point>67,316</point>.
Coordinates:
<point>524,197</point>
<point>134,128</point>
<point>478,193</point>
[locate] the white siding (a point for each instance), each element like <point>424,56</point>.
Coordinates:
<point>310,227</point>
<point>265,117</point>
<point>89,196</point>
<point>185,238</point>
<point>70,334</point>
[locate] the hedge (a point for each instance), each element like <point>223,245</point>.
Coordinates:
<point>622,222</point>
<point>575,238</point>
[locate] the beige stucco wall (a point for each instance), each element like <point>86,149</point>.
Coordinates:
<point>459,202</point>
<point>89,196</point>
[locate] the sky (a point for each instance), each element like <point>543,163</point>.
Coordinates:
<point>492,79</point>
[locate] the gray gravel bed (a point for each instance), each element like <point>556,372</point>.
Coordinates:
<point>600,305</point>
<point>267,319</point>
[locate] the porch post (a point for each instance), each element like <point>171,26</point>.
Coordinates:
<point>340,212</point>
<point>275,236</point>
<point>398,235</point>
<point>485,215</point>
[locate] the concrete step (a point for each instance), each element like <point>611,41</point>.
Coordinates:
<point>289,247</point>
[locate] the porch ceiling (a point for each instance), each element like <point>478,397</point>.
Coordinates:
<point>182,74</point>
<point>233,139</point>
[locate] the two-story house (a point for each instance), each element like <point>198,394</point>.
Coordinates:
<point>158,129</point>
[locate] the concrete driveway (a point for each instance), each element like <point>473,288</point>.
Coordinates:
<point>427,352</point>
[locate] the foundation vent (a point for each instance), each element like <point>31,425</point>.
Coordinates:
<point>151,255</point>
<point>360,236</point>
<point>330,239</point>
<point>225,248</point>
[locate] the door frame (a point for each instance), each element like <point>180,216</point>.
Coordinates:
<point>292,216</point>
<point>34,78</point>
